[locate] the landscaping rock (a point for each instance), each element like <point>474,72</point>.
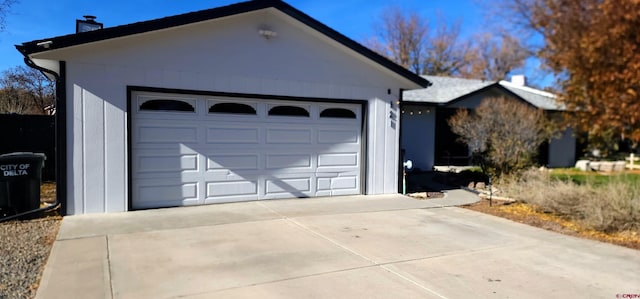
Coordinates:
<point>426,195</point>
<point>583,165</point>
<point>24,250</point>
<point>606,166</point>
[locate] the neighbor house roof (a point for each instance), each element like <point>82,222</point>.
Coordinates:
<point>445,89</point>
<point>541,99</point>
<point>448,89</point>
<point>59,42</point>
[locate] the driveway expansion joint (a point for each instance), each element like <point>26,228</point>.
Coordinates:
<point>107,271</point>
<point>373,262</point>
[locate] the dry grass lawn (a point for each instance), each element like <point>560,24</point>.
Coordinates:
<point>528,214</point>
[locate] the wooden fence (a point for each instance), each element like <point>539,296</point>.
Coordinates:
<point>30,133</point>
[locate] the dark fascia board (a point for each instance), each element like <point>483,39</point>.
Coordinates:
<point>494,85</point>
<point>65,41</point>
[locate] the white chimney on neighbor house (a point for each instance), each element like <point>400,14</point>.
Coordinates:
<point>519,80</point>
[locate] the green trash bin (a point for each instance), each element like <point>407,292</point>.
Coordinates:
<point>20,179</point>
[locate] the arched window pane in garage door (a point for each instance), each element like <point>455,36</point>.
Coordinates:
<point>167,105</point>
<point>337,113</point>
<point>232,108</point>
<point>288,111</point>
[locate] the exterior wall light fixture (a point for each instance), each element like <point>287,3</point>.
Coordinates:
<point>267,33</point>
<point>45,44</point>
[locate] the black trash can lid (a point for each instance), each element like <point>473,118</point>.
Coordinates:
<point>24,155</point>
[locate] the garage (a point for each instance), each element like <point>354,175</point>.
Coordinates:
<point>191,150</point>
<point>250,101</point>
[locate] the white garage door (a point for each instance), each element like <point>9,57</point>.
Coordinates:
<point>191,150</point>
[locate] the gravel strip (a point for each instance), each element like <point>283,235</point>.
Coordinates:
<point>24,250</point>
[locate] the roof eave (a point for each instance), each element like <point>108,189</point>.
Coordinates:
<point>68,40</point>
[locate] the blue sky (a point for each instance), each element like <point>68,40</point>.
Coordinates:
<point>36,19</point>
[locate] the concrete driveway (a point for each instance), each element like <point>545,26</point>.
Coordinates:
<point>343,247</point>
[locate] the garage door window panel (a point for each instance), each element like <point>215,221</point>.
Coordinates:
<point>233,108</point>
<point>167,105</point>
<point>337,113</point>
<point>288,111</point>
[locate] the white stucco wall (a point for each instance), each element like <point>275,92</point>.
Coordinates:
<point>224,55</point>
<point>418,135</point>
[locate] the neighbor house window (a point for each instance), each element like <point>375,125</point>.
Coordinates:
<point>288,111</point>
<point>167,105</point>
<point>232,108</point>
<point>337,113</point>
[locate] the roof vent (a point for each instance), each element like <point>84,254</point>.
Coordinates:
<point>519,80</point>
<point>88,24</point>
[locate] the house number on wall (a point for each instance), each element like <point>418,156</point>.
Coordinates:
<point>393,117</point>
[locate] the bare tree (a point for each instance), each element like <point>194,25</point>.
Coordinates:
<point>508,133</point>
<point>5,5</point>
<point>493,56</point>
<point>13,101</point>
<point>405,38</point>
<point>401,38</point>
<point>446,54</point>
<point>25,90</point>
<point>471,132</point>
